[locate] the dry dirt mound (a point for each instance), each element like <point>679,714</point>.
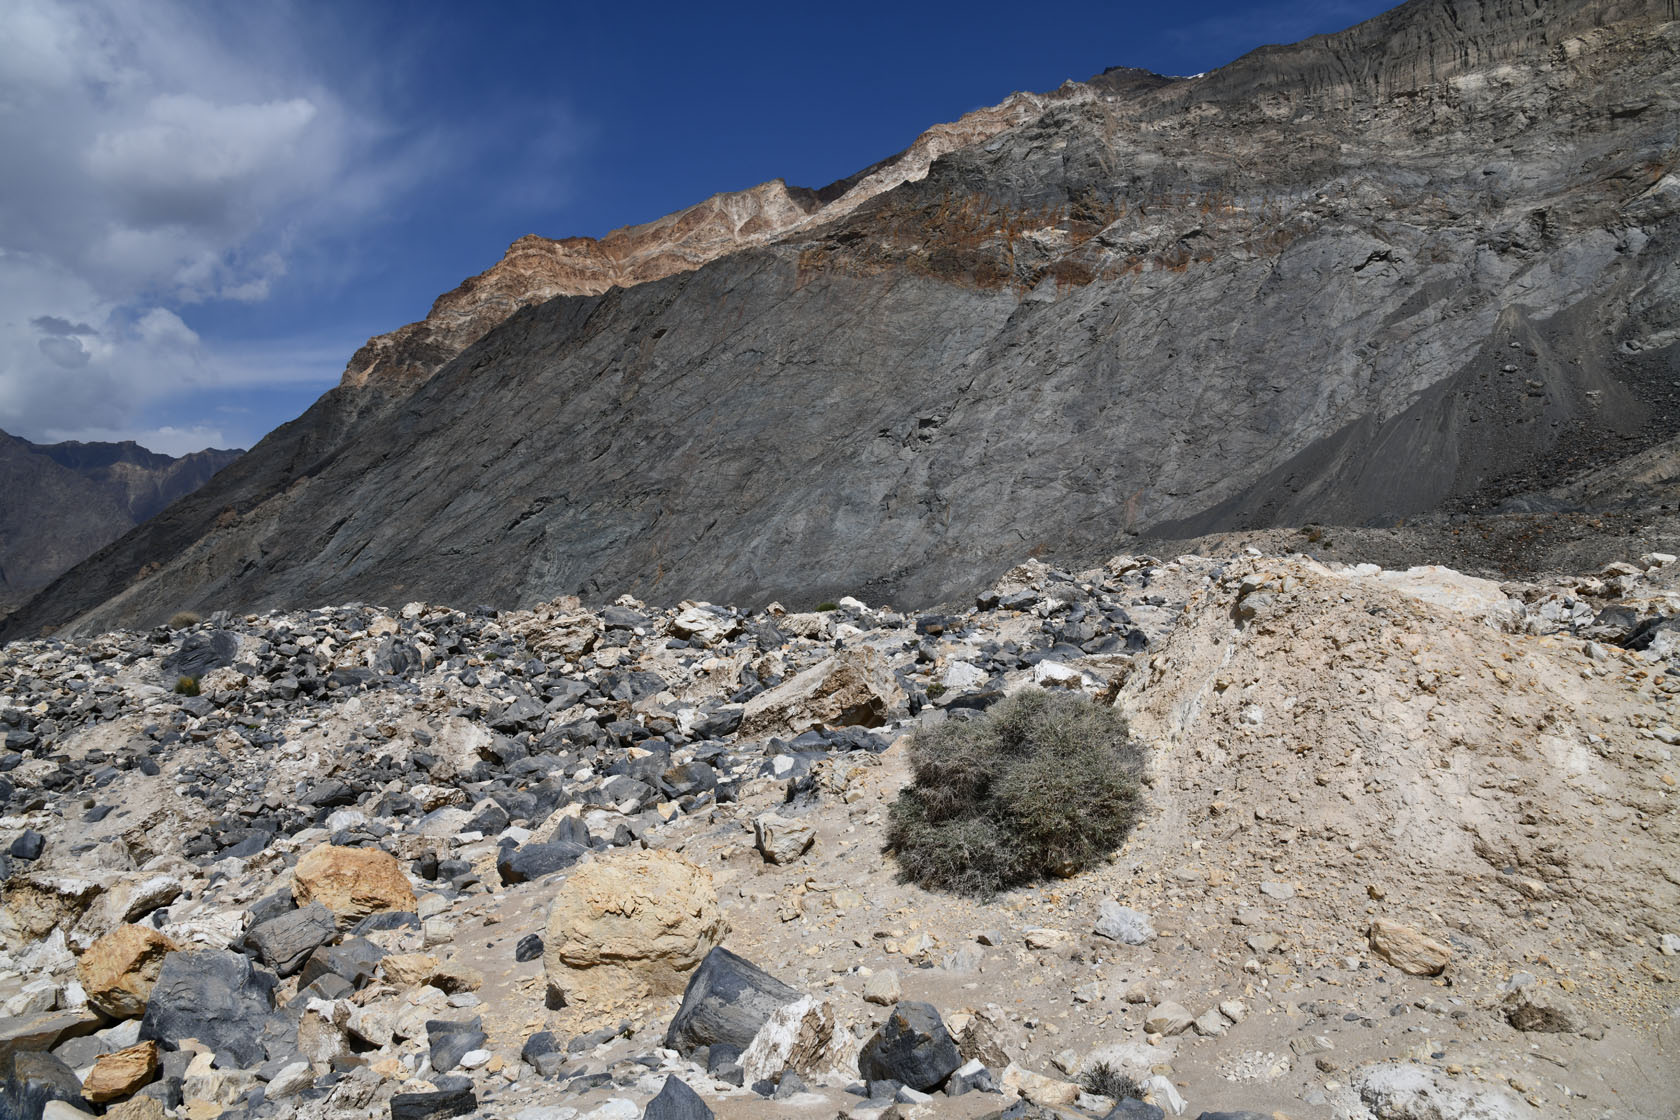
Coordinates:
<point>1381,744</point>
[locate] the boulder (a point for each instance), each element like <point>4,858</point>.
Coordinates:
<point>855,687</point>
<point>117,971</point>
<point>120,1074</point>
<point>46,1030</point>
<point>782,839</point>
<point>727,1000</point>
<point>1123,924</point>
<point>37,903</point>
<point>1407,949</point>
<point>356,960</point>
<point>987,1036</point>
<point>882,988</point>
<point>30,1079</point>
<point>1168,1018</point>
<point>805,1036</point>
<point>533,861</point>
<point>214,996</point>
<point>283,943</point>
<point>676,1101</point>
<point>912,1048</point>
<point>1397,1090</point>
<point>352,882</point>
<point>629,926</point>
<point>1049,1092</point>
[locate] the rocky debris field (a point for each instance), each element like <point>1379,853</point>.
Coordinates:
<point>1409,853</point>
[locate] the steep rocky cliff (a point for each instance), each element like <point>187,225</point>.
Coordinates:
<point>1424,265</point>
<point>61,502</point>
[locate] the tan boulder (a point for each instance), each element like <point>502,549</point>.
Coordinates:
<point>629,926</point>
<point>1048,1092</point>
<point>855,687</point>
<point>36,903</point>
<point>119,969</point>
<point>120,1074</point>
<point>352,882</point>
<point>409,969</point>
<point>1407,949</point>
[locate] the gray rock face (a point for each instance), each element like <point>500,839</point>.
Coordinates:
<point>214,996</point>
<point>727,1000</point>
<point>283,943</point>
<point>676,1101</point>
<point>30,1079</point>
<point>912,1047</point>
<point>1350,281</point>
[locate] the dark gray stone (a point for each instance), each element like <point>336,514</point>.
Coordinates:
<point>533,861</point>
<point>283,943</point>
<point>356,960</point>
<point>913,1047</point>
<point>727,1000</point>
<point>450,1041</point>
<point>433,1106</point>
<point>199,653</point>
<point>529,948</point>
<point>1243,1114</point>
<point>30,1079</point>
<point>214,996</point>
<point>28,846</point>
<point>1134,1109</point>
<point>676,1101</point>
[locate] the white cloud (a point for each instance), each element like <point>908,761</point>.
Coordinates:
<point>158,156</point>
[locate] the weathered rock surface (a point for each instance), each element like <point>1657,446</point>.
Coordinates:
<point>118,971</point>
<point>805,1036</point>
<point>215,997</point>
<point>629,925</point>
<point>352,882</point>
<point>727,1000</point>
<point>1472,205</point>
<point>912,1048</point>
<point>853,688</point>
<point>118,1075</point>
<point>1408,949</point>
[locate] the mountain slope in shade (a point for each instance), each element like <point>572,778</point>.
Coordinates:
<point>1426,264</point>
<point>62,502</point>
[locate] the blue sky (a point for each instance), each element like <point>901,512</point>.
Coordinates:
<point>207,207</point>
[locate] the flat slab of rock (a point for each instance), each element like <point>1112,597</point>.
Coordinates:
<point>45,1030</point>
<point>854,688</point>
<point>727,1000</point>
<point>283,943</point>
<point>1407,949</point>
<point>120,1074</point>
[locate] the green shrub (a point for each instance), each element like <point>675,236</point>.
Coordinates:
<point>823,607</point>
<point>1106,1081</point>
<point>183,619</point>
<point>1041,785</point>
<point>935,690</point>
<point>186,686</point>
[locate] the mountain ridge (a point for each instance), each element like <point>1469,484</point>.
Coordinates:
<point>1113,317</point>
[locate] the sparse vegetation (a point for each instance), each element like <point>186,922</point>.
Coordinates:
<point>1104,1080</point>
<point>180,620</point>
<point>186,686</point>
<point>1042,785</point>
<point>935,690</point>
<point>824,607</point>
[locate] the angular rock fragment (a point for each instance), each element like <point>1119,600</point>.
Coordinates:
<point>912,1048</point>
<point>1407,949</point>
<point>727,1000</point>
<point>782,839</point>
<point>120,1074</point>
<point>676,1101</point>
<point>117,971</point>
<point>214,996</point>
<point>285,942</point>
<point>855,687</point>
<point>352,882</point>
<point>30,1080</point>
<point>1123,924</point>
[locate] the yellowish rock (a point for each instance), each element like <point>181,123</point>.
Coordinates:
<point>1407,949</point>
<point>119,969</point>
<point>120,1074</point>
<point>352,882</point>
<point>628,927</point>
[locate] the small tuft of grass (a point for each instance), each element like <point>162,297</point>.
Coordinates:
<point>183,619</point>
<point>186,686</point>
<point>935,690</point>
<point>1104,1080</point>
<point>825,607</point>
<point>1041,785</point>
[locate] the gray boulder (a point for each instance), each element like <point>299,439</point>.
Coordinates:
<point>727,1000</point>
<point>214,996</point>
<point>912,1047</point>
<point>676,1101</point>
<point>283,943</point>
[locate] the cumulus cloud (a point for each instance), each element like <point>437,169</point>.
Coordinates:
<point>160,157</point>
